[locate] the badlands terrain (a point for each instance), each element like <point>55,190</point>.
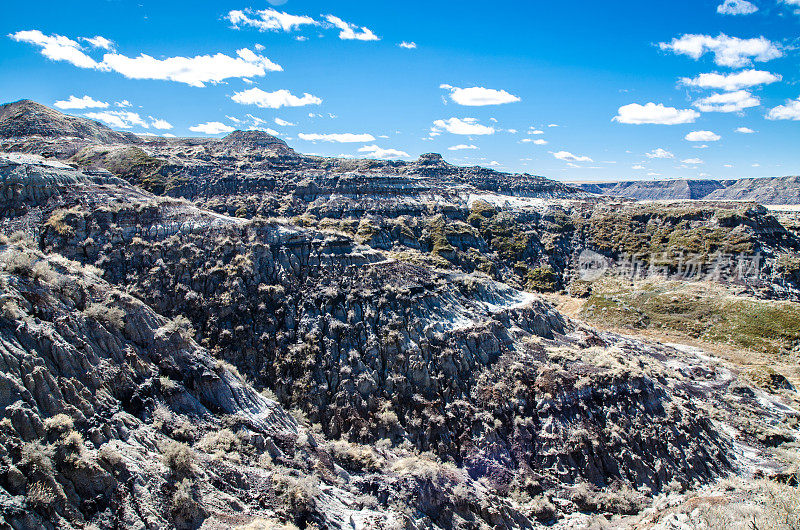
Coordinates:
<point>225,333</point>
<point>768,190</point>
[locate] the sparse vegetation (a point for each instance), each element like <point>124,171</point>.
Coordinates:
<point>355,457</point>
<point>700,311</point>
<point>178,458</point>
<point>107,315</point>
<point>41,496</point>
<point>541,279</point>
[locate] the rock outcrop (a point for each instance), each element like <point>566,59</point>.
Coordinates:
<point>28,118</point>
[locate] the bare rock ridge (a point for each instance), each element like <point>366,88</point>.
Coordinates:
<point>194,167</point>
<point>28,118</point>
<point>224,333</point>
<point>765,190</point>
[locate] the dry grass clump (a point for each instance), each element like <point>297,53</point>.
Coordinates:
<point>296,493</point>
<point>178,457</point>
<point>73,445</point>
<point>356,457</point>
<point>180,324</point>
<point>183,502</point>
<point>58,425</point>
<point>38,456</point>
<point>542,508</point>
<point>222,444</point>
<point>173,425</point>
<point>58,222</point>
<point>41,496</point>
<point>426,468</point>
<point>18,260</point>
<point>113,317</point>
<point>620,499</point>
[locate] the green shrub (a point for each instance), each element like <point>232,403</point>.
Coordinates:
<point>542,279</point>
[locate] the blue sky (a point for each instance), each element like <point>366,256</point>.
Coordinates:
<point>569,90</point>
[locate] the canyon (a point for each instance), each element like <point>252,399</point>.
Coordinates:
<point>225,333</point>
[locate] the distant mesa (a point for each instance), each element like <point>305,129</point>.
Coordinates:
<point>764,190</point>
<point>253,139</point>
<point>431,159</point>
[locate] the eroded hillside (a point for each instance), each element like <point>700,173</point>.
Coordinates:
<point>224,333</point>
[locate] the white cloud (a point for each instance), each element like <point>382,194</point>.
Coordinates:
<point>194,71</point>
<point>795,3</point>
<point>212,127</point>
<point>659,153</point>
<point>123,104</point>
<point>274,20</point>
<point>745,130</point>
<point>728,102</point>
<point>337,137</point>
<point>477,96</point>
<point>693,161</point>
<point>273,100</point>
<point>540,142</point>
<point>56,47</point>
<point>99,42</point>
<point>376,152</point>
<point>789,111</point>
<point>269,20</point>
<point>702,136</point>
<point>728,51</point>
<point>284,123</point>
<point>656,114</point>
<point>736,7</point>
<point>569,157</point>
<point>638,166</point>
<point>730,82</point>
<point>553,125</point>
<point>351,31</point>
<point>118,118</point>
<point>408,45</point>
<point>535,131</point>
<point>80,103</point>
<point>461,147</point>
<point>701,146</point>
<point>158,123</point>
<point>463,126</point>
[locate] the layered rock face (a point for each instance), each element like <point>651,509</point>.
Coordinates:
<point>152,345</point>
<point>766,190</point>
<point>657,190</point>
